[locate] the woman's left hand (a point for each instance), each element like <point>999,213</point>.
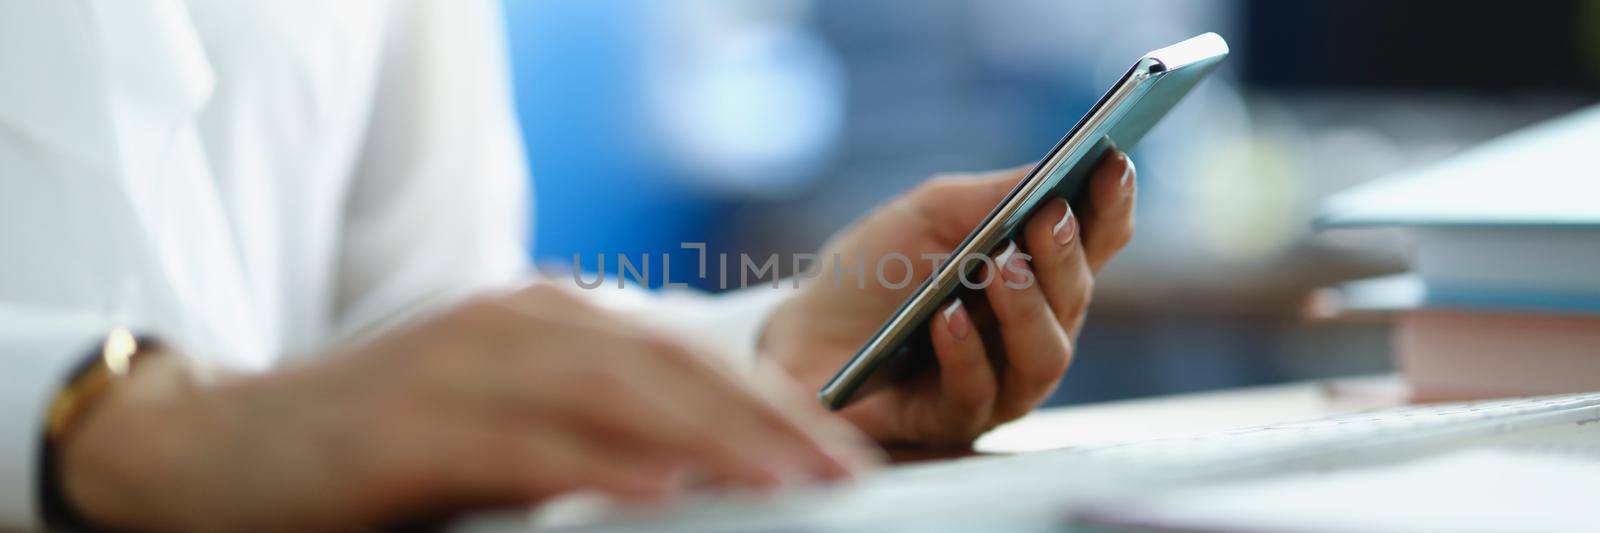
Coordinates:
<point>1038,306</point>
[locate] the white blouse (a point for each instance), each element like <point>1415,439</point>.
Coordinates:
<point>251,180</point>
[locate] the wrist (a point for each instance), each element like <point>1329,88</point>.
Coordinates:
<point>787,342</point>
<point>773,336</point>
<point>106,460</point>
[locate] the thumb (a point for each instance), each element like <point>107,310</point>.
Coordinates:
<point>956,203</point>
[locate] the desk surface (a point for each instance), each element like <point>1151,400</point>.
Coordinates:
<point>1182,414</point>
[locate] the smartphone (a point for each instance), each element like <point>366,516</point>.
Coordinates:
<point>1120,119</point>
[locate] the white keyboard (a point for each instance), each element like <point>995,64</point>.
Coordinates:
<point>1036,490</point>
<point>1338,440</point>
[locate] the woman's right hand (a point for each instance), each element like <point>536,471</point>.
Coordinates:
<point>503,401</point>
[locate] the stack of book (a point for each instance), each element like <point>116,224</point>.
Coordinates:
<point>1504,294</point>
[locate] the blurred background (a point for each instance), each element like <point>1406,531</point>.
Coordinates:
<point>766,126</point>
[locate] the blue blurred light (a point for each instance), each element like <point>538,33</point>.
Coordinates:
<point>600,185</point>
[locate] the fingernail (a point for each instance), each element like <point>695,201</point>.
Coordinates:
<point>838,468</point>
<point>1012,265</point>
<point>787,474</point>
<point>793,477</point>
<point>955,318</point>
<point>1067,228</point>
<point>679,480</point>
<point>1127,174</point>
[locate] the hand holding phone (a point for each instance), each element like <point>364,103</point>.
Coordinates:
<point>991,356</point>
<point>1120,119</point>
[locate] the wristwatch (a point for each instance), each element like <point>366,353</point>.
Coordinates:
<point>88,383</point>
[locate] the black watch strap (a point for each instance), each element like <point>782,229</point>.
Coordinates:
<point>56,511</point>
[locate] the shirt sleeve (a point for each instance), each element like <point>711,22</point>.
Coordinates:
<point>728,324</point>
<point>37,351</point>
<point>438,206</point>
